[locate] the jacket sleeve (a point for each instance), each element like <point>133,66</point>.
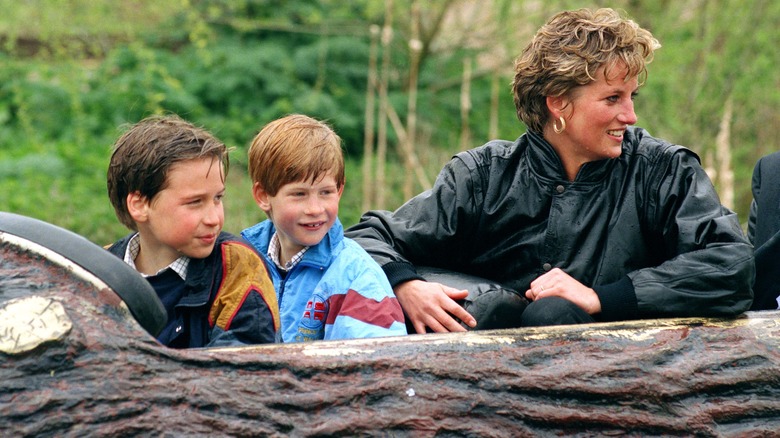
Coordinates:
<point>366,307</point>
<point>426,230</point>
<point>245,310</point>
<point>709,265</point>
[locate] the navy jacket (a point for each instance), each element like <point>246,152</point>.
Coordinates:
<point>229,298</point>
<point>764,231</point>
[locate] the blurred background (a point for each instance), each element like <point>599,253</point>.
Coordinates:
<point>405,83</point>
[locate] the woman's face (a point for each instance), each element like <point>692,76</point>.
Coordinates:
<point>596,115</point>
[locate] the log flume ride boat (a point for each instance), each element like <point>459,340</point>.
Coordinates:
<point>77,359</point>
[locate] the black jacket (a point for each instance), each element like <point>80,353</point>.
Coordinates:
<point>645,230</point>
<point>764,231</point>
<point>218,308</point>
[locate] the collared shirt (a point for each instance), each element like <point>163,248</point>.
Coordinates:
<point>178,266</point>
<point>274,251</point>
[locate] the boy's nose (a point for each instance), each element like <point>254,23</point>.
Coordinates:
<point>214,215</point>
<point>314,206</point>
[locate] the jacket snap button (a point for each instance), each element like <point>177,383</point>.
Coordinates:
<point>546,266</point>
<point>178,329</point>
<point>559,189</point>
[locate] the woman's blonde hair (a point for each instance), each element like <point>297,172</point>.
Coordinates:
<point>293,149</point>
<point>566,53</point>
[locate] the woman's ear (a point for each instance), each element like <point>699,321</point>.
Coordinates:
<point>261,197</point>
<point>137,206</point>
<point>556,105</point>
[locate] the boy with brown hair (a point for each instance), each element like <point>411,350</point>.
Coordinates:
<point>327,286</point>
<point>166,181</point>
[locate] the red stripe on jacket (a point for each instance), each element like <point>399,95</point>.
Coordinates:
<point>381,314</point>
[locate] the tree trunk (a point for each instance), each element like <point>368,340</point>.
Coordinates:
<point>494,90</point>
<point>415,47</point>
<point>465,106</point>
<point>723,152</point>
<point>381,147</point>
<point>91,370</point>
<point>415,163</point>
<point>368,132</point>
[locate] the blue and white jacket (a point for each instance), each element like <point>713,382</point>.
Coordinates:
<point>337,291</point>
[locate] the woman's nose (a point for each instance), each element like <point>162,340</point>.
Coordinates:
<point>628,116</point>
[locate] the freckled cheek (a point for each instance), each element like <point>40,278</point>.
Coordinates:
<point>332,209</point>
<point>287,216</point>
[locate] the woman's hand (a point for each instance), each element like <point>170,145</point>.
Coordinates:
<point>433,305</point>
<point>557,283</point>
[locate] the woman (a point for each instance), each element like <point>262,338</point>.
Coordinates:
<point>593,218</point>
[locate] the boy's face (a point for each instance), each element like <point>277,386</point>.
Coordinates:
<point>186,217</point>
<point>302,212</point>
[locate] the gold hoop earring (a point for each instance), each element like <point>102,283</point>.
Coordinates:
<point>563,125</point>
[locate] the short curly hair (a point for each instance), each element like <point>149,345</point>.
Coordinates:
<point>566,53</point>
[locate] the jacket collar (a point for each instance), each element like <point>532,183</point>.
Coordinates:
<point>547,165</point>
<point>260,234</point>
<point>202,274</point>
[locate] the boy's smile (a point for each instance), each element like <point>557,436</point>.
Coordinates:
<point>302,212</point>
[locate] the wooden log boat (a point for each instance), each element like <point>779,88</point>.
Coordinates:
<point>76,361</point>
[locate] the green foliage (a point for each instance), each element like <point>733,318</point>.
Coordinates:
<point>73,73</point>
<point>708,58</point>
